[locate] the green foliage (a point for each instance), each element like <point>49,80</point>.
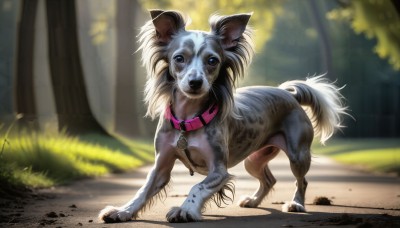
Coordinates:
<point>376,19</point>
<point>382,155</point>
<point>40,160</point>
<point>371,84</point>
<point>292,52</point>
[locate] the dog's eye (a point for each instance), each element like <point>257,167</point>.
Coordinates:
<point>212,61</point>
<point>179,59</point>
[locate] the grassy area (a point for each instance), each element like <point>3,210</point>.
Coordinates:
<point>40,160</point>
<point>381,155</point>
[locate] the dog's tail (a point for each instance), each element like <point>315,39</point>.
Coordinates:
<point>322,101</point>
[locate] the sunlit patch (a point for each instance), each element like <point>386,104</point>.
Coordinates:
<point>43,160</point>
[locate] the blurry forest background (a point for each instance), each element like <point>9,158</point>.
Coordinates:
<point>71,82</point>
<point>71,66</point>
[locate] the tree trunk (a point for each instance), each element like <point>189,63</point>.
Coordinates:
<point>324,42</point>
<point>125,103</point>
<point>396,4</point>
<point>74,114</point>
<point>25,99</point>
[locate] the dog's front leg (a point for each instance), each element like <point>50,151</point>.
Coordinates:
<point>157,179</point>
<point>190,211</point>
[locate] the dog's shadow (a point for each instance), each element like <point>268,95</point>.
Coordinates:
<point>276,218</point>
<point>212,220</point>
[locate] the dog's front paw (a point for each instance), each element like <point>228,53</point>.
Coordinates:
<point>112,214</point>
<point>293,207</point>
<point>178,214</point>
<point>247,201</point>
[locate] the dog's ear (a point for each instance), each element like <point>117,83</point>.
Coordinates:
<point>167,23</point>
<point>229,28</point>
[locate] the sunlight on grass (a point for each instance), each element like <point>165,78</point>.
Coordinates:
<point>33,179</point>
<point>382,155</point>
<point>386,160</point>
<point>40,160</point>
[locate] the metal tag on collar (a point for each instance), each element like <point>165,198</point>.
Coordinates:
<point>182,142</point>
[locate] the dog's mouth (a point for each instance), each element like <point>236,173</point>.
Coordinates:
<point>191,92</point>
<point>194,93</point>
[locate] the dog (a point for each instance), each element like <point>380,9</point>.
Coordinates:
<point>211,126</point>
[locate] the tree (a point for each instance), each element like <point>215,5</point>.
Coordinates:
<point>74,114</point>
<point>293,51</point>
<point>125,111</point>
<point>24,91</point>
<point>324,42</point>
<point>378,20</point>
<point>396,4</point>
<point>372,84</point>
<point>8,40</point>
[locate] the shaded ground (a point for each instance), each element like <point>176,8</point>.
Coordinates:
<point>357,200</point>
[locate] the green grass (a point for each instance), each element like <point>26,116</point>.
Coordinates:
<point>378,155</point>
<point>42,160</point>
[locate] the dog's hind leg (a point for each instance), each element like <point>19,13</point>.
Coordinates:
<point>257,166</point>
<point>299,166</point>
<point>299,135</point>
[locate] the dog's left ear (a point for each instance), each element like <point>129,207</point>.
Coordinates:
<point>229,28</point>
<point>167,23</point>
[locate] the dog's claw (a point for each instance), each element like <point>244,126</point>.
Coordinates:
<point>112,214</point>
<point>110,220</point>
<point>293,207</point>
<point>180,215</point>
<point>248,202</point>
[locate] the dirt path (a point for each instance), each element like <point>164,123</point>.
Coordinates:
<point>359,200</point>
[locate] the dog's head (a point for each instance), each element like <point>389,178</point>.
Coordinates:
<point>195,62</point>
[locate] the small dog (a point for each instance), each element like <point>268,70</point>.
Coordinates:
<point>210,127</point>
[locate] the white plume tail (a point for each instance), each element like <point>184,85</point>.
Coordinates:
<point>322,101</point>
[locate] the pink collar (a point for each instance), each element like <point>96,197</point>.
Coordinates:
<point>192,124</point>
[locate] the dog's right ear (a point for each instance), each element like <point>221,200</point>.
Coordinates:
<point>167,23</point>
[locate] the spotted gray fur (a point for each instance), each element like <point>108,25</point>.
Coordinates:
<point>253,123</point>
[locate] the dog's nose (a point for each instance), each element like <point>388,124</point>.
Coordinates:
<point>195,83</point>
